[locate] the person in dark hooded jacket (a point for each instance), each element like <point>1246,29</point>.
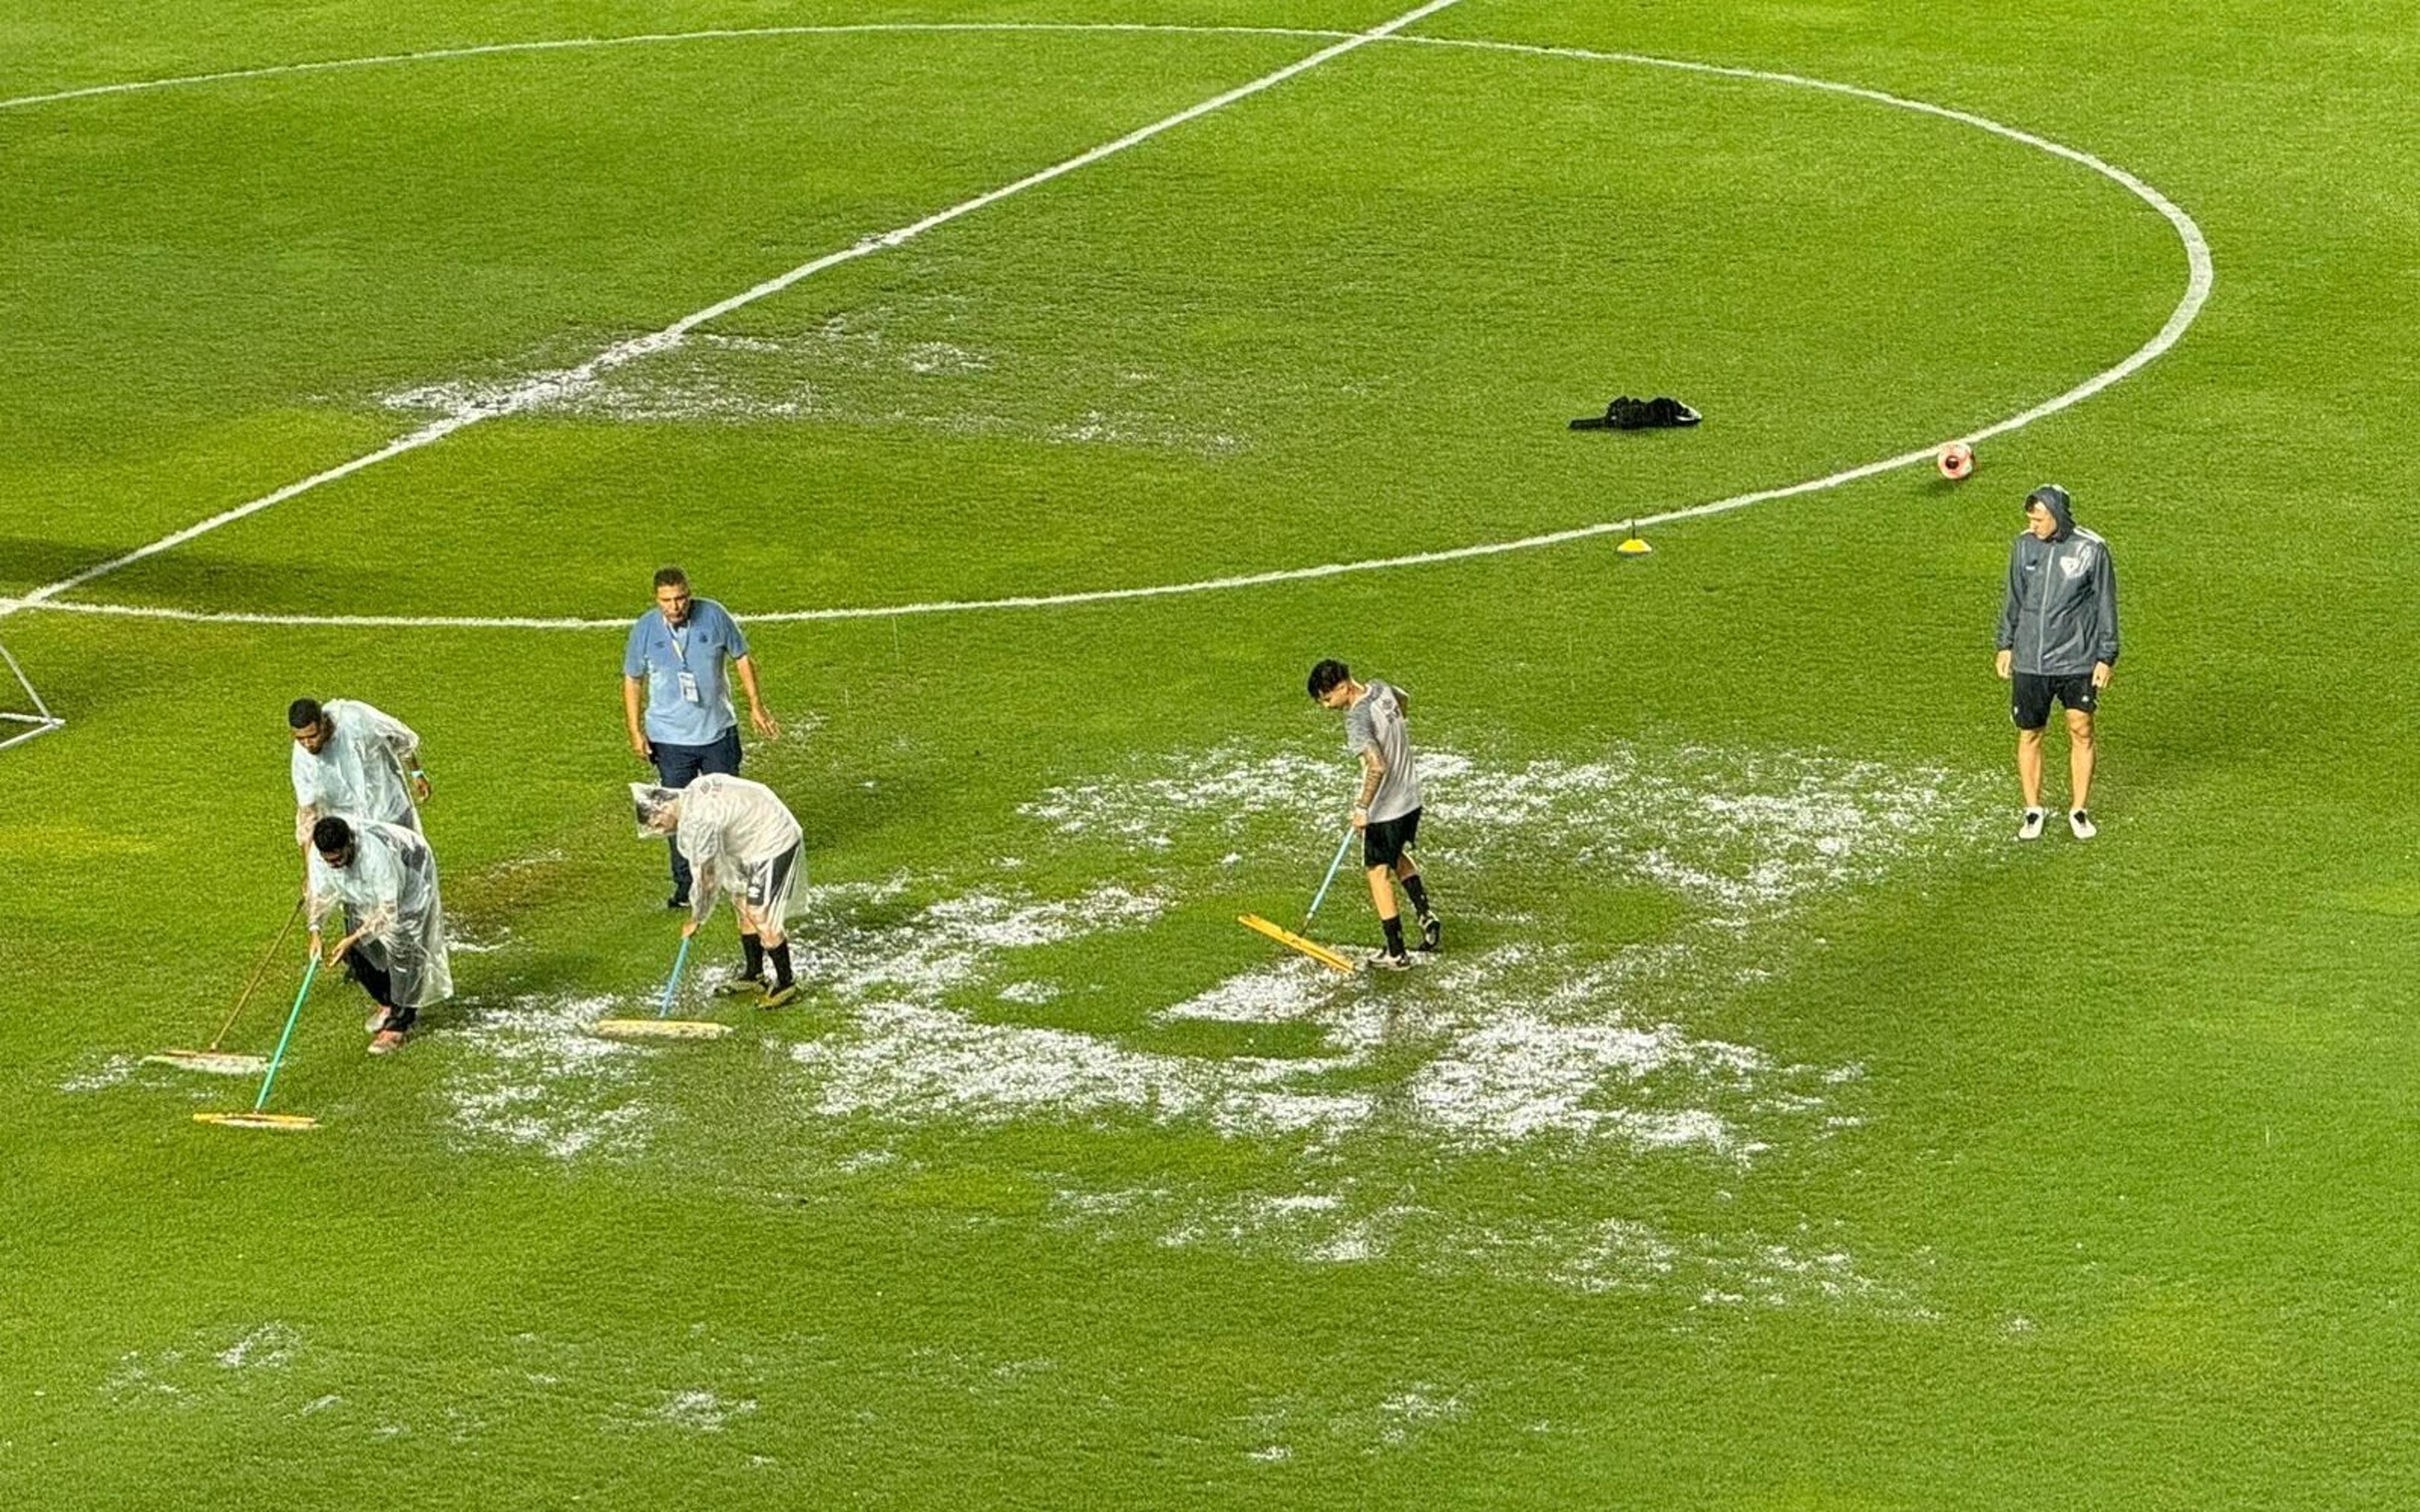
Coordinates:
<point>2058,639</point>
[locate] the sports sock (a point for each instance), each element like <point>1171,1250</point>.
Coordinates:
<point>1418,892</point>
<point>1394,928</point>
<point>780,955</point>
<point>751,948</point>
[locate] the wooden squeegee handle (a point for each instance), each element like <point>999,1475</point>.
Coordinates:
<point>257,972</point>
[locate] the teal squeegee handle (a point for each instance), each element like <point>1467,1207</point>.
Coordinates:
<point>1341,846</point>
<point>295,1012</point>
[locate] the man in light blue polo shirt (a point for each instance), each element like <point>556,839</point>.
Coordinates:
<point>676,656</point>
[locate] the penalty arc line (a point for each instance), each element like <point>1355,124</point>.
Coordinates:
<point>2200,280</point>
<point>536,389</point>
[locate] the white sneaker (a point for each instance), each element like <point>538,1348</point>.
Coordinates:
<point>2081,823</point>
<point>2032,827</point>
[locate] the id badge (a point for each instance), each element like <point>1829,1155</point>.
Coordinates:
<point>688,687</point>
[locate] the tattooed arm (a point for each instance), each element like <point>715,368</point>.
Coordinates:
<point>1374,772</point>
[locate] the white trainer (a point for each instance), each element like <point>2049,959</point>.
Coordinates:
<point>2081,823</point>
<point>2032,827</point>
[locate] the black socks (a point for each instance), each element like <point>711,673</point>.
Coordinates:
<point>753,948</point>
<point>1394,928</point>
<point>1418,892</point>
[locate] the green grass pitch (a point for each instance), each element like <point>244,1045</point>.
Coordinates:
<point>1772,1132</point>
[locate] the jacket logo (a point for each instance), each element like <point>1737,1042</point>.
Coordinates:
<point>2074,566</point>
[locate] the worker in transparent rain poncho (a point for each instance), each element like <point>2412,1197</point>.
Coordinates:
<point>352,760</point>
<point>738,839</point>
<point>384,878</point>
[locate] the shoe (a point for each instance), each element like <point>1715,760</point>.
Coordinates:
<point>739,987</point>
<point>1430,930</point>
<point>782,997</point>
<point>387,1043</point>
<point>1392,960</point>
<point>678,900</point>
<point>377,1020</point>
<point>2081,824</point>
<point>2032,827</point>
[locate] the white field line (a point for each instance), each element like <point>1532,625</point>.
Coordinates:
<point>545,386</point>
<point>2199,281</point>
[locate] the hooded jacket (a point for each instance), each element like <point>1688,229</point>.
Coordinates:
<point>2061,615</point>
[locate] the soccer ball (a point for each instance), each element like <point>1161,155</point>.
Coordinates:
<point>1956,460</point>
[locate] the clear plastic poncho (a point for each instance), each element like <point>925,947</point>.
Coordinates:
<point>359,774</point>
<point>655,809</point>
<point>727,827</point>
<point>388,892</point>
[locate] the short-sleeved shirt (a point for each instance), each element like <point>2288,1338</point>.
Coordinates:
<point>1376,723</point>
<point>661,654</point>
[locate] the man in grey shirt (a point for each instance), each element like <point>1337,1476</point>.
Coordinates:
<point>2057,639</point>
<point>1387,810</point>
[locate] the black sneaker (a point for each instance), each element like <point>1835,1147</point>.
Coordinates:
<point>678,900</point>
<point>1430,930</point>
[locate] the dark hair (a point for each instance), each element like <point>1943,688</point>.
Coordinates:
<point>330,835</point>
<point>671,578</point>
<point>302,714</point>
<point>1326,675</point>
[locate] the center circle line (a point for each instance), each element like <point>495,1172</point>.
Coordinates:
<point>2200,279</point>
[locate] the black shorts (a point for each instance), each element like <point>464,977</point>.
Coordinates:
<point>769,882</point>
<point>1384,842</point>
<point>2031,693</point>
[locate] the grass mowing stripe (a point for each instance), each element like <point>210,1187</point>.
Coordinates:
<point>566,44</point>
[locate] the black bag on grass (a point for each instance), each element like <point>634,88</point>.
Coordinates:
<point>1627,413</point>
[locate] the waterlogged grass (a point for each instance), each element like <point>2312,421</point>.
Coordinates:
<point>1771,1132</point>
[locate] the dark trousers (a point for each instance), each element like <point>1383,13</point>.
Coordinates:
<point>375,982</point>
<point>677,766</point>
